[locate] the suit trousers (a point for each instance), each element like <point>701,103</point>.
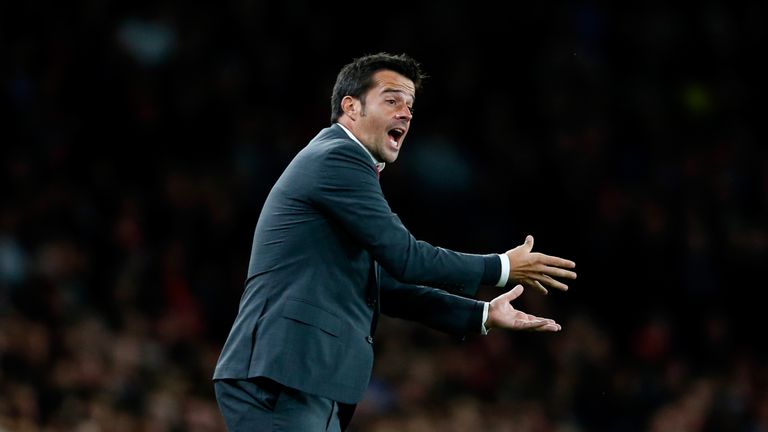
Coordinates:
<point>263,405</point>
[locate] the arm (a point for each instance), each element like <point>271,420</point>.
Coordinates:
<point>453,314</point>
<point>432,307</point>
<point>349,193</point>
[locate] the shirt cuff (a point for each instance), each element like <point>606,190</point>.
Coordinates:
<point>484,330</point>
<point>504,271</point>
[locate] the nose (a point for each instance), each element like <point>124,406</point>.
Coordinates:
<point>404,113</point>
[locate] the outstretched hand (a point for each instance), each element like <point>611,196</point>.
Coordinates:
<point>535,270</point>
<point>502,314</point>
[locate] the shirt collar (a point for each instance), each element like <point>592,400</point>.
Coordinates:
<point>379,165</point>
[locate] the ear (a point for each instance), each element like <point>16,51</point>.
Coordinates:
<point>350,106</point>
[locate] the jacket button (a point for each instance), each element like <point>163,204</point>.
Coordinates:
<point>369,339</point>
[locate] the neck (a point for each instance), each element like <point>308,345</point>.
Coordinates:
<point>351,134</point>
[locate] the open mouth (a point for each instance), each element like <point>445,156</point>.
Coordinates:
<point>395,134</point>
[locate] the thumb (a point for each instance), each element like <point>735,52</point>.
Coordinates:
<point>511,294</point>
<point>529,242</point>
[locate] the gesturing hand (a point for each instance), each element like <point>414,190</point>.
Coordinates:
<point>502,314</point>
<point>534,270</point>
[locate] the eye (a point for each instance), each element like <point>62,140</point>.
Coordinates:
<point>391,101</point>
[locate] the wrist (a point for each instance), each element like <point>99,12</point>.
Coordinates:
<point>505,268</point>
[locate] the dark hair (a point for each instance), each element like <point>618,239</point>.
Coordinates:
<point>355,78</point>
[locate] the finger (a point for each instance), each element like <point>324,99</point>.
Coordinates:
<point>553,327</point>
<point>550,324</point>
<point>556,284</point>
<point>540,287</point>
<point>529,242</point>
<point>530,325</point>
<point>546,280</point>
<point>558,272</point>
<point>529,317</point>
<point>512,294</point>
<point>556,261</point>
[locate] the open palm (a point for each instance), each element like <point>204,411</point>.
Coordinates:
<point>502,314</point>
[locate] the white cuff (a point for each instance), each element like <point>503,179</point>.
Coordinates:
<point>504,271</point>
<point>484,330</point>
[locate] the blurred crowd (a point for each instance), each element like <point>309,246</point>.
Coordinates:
<point>140,140</point>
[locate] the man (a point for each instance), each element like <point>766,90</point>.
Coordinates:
<point>329,255</point>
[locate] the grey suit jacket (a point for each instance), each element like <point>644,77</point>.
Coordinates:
<point>314,288</point>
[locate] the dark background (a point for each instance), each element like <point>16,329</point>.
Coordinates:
<point>140,140</point>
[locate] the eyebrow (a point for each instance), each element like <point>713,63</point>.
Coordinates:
<point>403,92</point>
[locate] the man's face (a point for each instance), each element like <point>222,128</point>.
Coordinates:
<point>385,115</point>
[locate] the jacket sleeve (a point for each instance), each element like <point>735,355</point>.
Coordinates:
<point>348,191</point>
<point>432,307</point>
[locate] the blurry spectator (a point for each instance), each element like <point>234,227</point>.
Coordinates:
<point>140,140</point>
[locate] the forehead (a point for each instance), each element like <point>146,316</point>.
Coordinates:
<point>386,81</point>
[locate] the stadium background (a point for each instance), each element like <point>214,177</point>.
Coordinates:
<point>139,141</point>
